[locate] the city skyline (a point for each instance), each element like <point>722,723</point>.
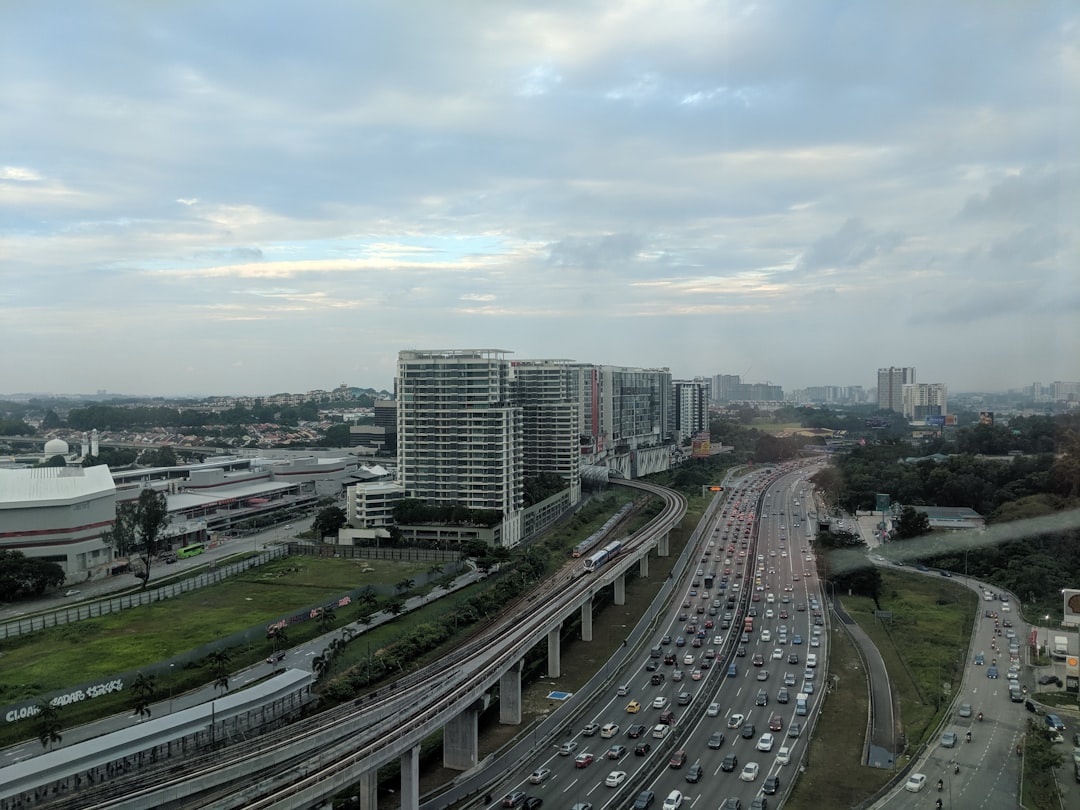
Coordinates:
<point>233,200</point>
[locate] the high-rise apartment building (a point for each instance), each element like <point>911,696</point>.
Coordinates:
<point>549,395</point>
<point>691,407</point>
<point>459,434</point>
<point>890,387</point>
<point>923,400</point>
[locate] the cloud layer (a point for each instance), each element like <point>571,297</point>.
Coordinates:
<point>255,197</point>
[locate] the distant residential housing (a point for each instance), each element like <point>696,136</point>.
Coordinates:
<point>924,400</point>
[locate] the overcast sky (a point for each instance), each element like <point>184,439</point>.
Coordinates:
<point>251,197</point>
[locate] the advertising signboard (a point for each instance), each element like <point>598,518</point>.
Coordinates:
<point>1071,598</point>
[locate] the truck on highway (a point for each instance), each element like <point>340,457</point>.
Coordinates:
<point>1060,648</point>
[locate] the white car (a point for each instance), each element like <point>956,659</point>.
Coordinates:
<point>538,776</point>
<point>659,702</point>
<point>915,782</point>
<point>567,748</point>
<point>765,742</point>
<point>736,721</point>
<point>615,778</point>
<point>673,801</point>
<point>783,756</point>
<point>777,653</point>
<point>749,772</point>
<point>713,710</point>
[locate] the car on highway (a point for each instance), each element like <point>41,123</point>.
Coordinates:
<point>641,749</point>
<point>794,729</point>
<point>673,801</point>
<point>635,730</point>
<point>616,752</point>
<point>567,748</point>
<point>948,739</point>
<point>583,760</point>
<point>695,772</point>
<point>633,707</point>
<point>965,710</point>
<point>590,729</point>
<point>763,674</point>
<point>656,678</point>
<point>615,778</point>
<point>729,763</point>
<point>538,776</point>
<point>915,782</point>
<point>750,772</point>
<point>992,672</point>
<point>678,675</point>
<point>748,731</point>
<point>514,798</point>
<point>765,742</point>
<point>644,800</point>
<point>684,698</point>
<point>609,730</point>
<point>758,660</point>
<point>736,720</point>
<point>716,740</point>
<point>652,665</point>
<point>783,756</point>
<point>776,722</point>
<point>713,710</point>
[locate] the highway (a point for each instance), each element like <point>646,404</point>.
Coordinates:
<point>299,765</point>
<point>758,551</point>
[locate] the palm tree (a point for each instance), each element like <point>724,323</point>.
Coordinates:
<point>327,617</point>
<point>277,634</point>
<point>143,687</point>
<point>320,665</point>
<point>219,667</point>
<point>405,585</point>
<point>49,724</point>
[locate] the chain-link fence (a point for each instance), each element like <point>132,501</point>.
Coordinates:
<point>105,606</point>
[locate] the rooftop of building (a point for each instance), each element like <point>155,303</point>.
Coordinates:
<point>45,485</point>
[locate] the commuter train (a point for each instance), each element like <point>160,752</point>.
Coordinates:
<point>603,556</point>
<point>598,535</point>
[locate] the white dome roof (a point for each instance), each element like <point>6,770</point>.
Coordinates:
<point>56,447</point>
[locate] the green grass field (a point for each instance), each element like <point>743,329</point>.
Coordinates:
<point>124,641</point>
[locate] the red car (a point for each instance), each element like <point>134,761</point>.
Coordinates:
<point>583,760</point>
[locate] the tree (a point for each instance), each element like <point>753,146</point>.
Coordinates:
<point>405,585</point>
<point>276,633</point>
<point>149,518</point>
<point>328,521</point>
<point>22,576</point>
<point>219,668</point>
<point>327,617</point>
<point>48,724</point>
<point>51,421</point>
<point>144,689</point>
<point>56,461</point>
<point>912,523</point>
<point>163,456</point>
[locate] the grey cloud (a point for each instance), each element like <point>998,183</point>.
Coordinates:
<point>594,252</point>
<point>851,246</point>
<point>1018,197</point>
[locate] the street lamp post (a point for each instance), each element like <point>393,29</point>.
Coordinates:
<point>172,684</point>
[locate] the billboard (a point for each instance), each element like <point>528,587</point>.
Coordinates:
<point>1071,598</point>
<point>881,502</point>
<point>950,420</point>
<point>986,418</point>
<point>700,446</point>
<point>935,420</point>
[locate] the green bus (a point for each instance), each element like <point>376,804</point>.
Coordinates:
<point>190,551</point>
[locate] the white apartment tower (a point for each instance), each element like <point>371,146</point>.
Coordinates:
<point>890,387</point>
<point>691,406</point>
<point>548,393</point>
<point>925,399</point>
<point>460,437</point>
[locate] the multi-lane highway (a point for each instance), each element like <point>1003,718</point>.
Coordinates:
<point>719,705</point>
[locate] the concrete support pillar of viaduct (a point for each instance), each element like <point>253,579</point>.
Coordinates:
<point>620,589</point>
<point>460,745</point>
<point>368,787</point>
<point>586,620</point>
<point>510,696</point>
<point>410,779</point>
<point>555,651</point>
<point>643,566</point>
<point>662,549</point>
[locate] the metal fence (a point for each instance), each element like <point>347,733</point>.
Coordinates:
<point>395,553</point>
<point>114,604</point>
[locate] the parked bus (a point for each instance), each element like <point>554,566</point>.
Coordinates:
<point>190,551</point>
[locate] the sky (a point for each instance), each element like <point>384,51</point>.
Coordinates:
<point>247,197</point>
